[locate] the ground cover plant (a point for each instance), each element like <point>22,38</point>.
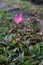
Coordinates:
<point>21,40</point>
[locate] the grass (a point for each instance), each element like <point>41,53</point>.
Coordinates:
<point>18,45</point>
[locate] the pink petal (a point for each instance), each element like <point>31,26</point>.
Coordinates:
<point>40,33</point>
<point>20,14</point>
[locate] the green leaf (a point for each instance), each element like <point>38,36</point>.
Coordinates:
<point>21,58</point>
<point>37,49</point>
<point>14,42</point>
<point>27,63</point>
<point>0,57</point>
<point>12,63</point>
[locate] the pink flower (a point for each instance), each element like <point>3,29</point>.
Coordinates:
<point>19,19</point>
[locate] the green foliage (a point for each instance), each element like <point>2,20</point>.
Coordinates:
<point>15,46</point>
